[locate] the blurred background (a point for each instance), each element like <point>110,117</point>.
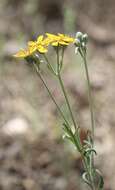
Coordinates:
<point>33,155</point>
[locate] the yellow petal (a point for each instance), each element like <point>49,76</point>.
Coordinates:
<point>40,39</point>
<point>46,41</point>
<point>42,49</point>
<point>63,43</point>
<point>68,39</point>
<point>31,43</point>
<point>22,53</point>
<point>32,48</point>
<point>52,36</point>
<point>55,43</point>
<point>61,35</point>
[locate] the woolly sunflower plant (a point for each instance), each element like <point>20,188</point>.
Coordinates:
<point>91,176</point>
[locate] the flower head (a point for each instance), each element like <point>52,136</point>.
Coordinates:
<point>33,46</point>
<point>60,39</point>
<point>38,45</point>
<point>80,42</point>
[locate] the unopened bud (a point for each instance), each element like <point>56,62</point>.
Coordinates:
<point>85,38</point>
<point>79,35</point>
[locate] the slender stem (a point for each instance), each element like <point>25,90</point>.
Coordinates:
<point>49,65</point>
<point>62,56</point>
<point>67,101</point>
<point>50,94</point>
<point>64,91</point>
<point>89,97</point>
<point>87,170</point>
<point>92,117</point>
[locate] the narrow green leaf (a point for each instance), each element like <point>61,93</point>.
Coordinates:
<point>84,177</point>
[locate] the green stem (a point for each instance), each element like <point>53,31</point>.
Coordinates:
<point>49,65</point>
<point>64,91</point>
<point>88,171</point>
<point>92,117</point>
<point>89,97</point>
<point>49,92</point>
<point>67,101</point>
<point>62,56</point>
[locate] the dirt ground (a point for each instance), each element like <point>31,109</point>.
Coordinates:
<point>33,155</point>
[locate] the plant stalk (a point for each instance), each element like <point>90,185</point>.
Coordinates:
<point>90,98</point>
<point>63,89</point>
<point>92,117</point>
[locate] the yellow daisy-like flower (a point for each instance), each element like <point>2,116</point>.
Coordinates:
<point>60,39</point>
<point>22,53</point>
<point>38,45</point>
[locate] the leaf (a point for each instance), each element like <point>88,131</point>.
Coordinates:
<point>67,129</point>
<point>84,177</point>
<point>87,143</point>
<point>101,181</point>
<point>72,136</point>
<point>89,150</point>
<point>76,50</point>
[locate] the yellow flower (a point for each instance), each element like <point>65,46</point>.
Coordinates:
<point>38,45</point>
<point>52,37</point>
<point>66,38</point>
<point>46,41</point>
<point>41,44</point>
<point>22,53</point>
<point>59,39</point>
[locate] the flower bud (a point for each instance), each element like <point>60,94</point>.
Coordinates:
<point>85,38</point>
<point>79,35</point>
